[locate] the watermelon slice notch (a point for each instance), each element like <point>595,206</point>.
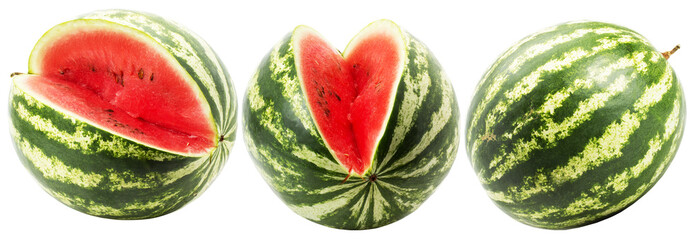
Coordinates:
<point>350,96</point>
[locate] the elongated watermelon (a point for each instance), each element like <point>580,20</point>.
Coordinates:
<point>123,114</point>
<point>574,123</point>
<point>383,113</point>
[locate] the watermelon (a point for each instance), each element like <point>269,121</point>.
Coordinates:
<point>574,123</point>
<point>123,114</point>
<point>355,140</point>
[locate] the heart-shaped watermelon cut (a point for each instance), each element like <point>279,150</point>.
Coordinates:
<point>350,96</point>
<point>355,140</point>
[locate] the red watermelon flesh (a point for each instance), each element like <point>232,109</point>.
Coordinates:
<point>350,96</point>
<point>126,84</point>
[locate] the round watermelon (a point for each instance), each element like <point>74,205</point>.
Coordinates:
<point>352,140</point>
<point>123,114</point>
<point>574,123</point>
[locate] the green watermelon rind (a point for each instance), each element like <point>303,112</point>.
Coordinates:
<point>574,123</point>
<point>293,159</point>
<point>102,174</point>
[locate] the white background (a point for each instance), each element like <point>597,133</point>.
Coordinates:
<point>465,37</point>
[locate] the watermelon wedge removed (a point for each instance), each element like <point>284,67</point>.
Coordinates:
<point>355,140</point>
<point>123,114</point>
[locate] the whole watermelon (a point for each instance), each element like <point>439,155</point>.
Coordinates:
<point>355,140</point>
<point>574,123</point>
<point>123,114</point>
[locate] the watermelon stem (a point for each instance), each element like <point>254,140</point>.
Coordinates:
<point>15,74</point>
<point>668,53</point>
<point>373,177</point>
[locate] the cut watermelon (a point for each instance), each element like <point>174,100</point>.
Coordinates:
<point>350,97</point>
<point>117,79</point>
<point>383,111</point>
<point>123,114</point>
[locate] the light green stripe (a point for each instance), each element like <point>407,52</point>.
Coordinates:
<point>653,94</point>
<point>380,205</point>
<point>277,179</point>
<point>670,155</point>
<point>614,184</point>
<point>359,211</point>
<point>416,90</point>
<point>253,95</point>
<point>317,212</point>
<point>529,54</point>
<point>491,92</point>
<point>598,151</point>
<point>281,66</point>
<point>97,209</point>
<point>271,120</point>
<point>553,102</point>
<point>438,120</point>
<point>509,52</point>
<point>208,176</point>
<point>543,47</point>
<point>334,188</point>
<point>620,181</point>
<point>53,169</point>
<point>607,147</point>
<point>529,82</point>
<point>78,140</point>
<point>128,180</point>
<point>552,132</point>
<point>231,106</point>
<point>411,198</point>
<point>303,152</point>
<point>430,163</point>
<point>673,119</point>
<point>282,170</point>
<point>595,153</point>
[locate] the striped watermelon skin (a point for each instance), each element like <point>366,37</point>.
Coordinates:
<point>412,158</point>
<point>574,123</point>
<point>103,174</point>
